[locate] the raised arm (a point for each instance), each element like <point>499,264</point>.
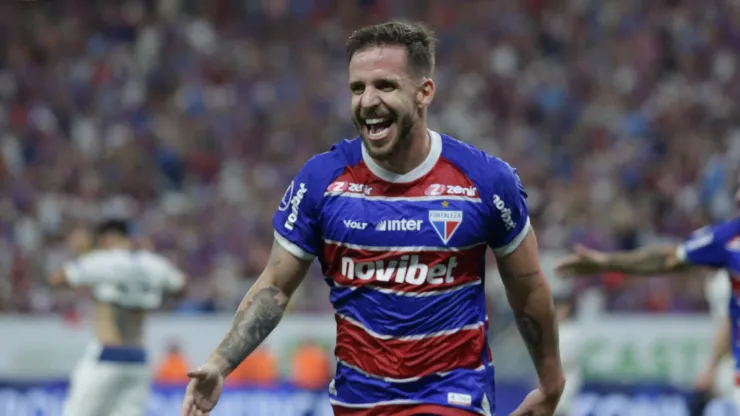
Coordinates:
<point>261,309</point>
<point>649,260</point>
<point>531,301</point>
<point>83,271</point>
<point>705,248</point>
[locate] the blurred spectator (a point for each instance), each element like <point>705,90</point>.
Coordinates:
<point>621,118</point>
<point>174,367</point>
<point>260,368</point>
<point>311,367</point>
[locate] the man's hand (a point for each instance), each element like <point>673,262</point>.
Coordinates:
<point>203,391</point>
<point>257,315</point>
<point>538,404</point>
<point>583,262</point>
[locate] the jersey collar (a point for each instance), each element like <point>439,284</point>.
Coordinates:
<point>425,167</point>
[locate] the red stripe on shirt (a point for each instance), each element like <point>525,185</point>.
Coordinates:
<point>402,410</point>
<point>402,359</point>
<point>424,271</point>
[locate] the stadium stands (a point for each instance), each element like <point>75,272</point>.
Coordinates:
<point>192,117</point>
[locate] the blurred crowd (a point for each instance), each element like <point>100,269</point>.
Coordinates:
<point>192,116</point>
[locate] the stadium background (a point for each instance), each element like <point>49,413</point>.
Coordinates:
<point>191,117</point>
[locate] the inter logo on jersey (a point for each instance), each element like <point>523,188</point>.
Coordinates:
<point>445,223</point>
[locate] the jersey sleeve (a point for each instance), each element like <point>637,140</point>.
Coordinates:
<point>508,210</point>
<point>706,246</point>
<point>86,270</point>
<point>296,220</point>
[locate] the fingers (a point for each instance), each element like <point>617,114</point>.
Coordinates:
<point>516,412</point>
<point>524,412</point>
<point>586,252</point>
<point>198,374</point>
<point>582,250</point>
<point>190,408</point>
<point>565,267</point>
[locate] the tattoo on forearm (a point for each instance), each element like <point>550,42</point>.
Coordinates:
<point>530,329</point>
<point>254,320</point>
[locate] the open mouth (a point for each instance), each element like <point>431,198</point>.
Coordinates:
<point>378,128</point>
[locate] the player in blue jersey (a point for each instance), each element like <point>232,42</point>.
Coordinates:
<point>716,246</point>
<point>400,219</point>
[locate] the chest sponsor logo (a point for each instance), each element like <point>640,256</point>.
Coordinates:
<point>355,225</point>
<point>406,269</point>
<point>340,187</point>
<point>438,189</point>
<point>399,225</point>
<point>445,223</point>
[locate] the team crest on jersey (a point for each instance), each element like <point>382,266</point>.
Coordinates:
<point>445,223</point>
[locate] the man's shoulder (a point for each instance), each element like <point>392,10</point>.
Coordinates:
<point>335,160</point>
<point>476,163</point>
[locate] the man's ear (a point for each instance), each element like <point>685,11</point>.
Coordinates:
<point>425,94</point>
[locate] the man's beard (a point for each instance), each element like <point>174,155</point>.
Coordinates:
<point>404,126</point>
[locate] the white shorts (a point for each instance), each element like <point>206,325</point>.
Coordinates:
<point>109,381</point>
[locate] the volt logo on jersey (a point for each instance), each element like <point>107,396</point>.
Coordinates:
<point>445,223</point>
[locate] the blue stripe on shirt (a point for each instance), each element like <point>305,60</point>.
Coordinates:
<point>400,315</point>
<point>354,387</point>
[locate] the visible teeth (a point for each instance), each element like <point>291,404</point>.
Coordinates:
<point>371,121</point>
<point>379,134</point>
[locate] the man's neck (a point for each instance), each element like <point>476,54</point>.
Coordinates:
<point>407,159</point>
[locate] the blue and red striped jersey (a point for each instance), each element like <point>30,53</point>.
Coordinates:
<point>404,256</point>
<point>718,246</point>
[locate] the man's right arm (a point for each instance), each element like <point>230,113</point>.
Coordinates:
<point>261,309</point>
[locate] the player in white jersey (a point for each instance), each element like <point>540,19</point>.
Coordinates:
<point>718,376</point>
<point>112,378</point>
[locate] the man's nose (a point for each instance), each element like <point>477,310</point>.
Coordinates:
<point>370,98</point>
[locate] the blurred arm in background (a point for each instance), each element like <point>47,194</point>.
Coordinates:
<point>706,247</point>
<point>642,261</point>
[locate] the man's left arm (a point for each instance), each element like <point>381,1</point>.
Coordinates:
<point>531,301</point>
<point>513,241</point>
